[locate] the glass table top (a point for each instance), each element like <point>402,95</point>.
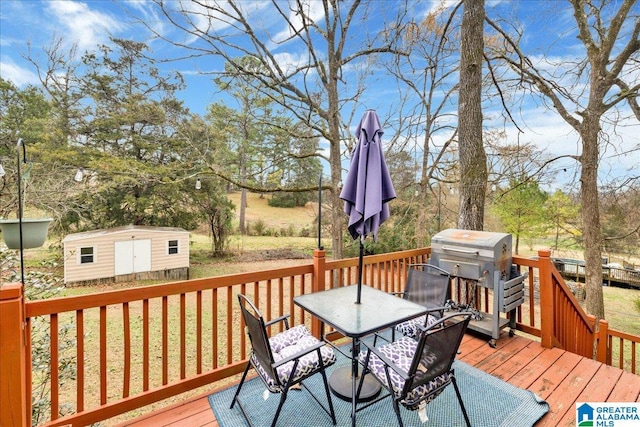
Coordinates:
<point>377,310</point>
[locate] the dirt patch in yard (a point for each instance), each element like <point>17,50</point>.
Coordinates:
<point>283,255</point>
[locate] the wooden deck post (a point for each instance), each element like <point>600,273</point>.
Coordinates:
<point>319,261</point>
<point>13,374</point>
<point>546,299</point>
<point>603,355</point>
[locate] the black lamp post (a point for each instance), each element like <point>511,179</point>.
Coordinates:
<point>24,159</point>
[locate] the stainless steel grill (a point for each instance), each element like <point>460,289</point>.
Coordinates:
<point>485,259</point>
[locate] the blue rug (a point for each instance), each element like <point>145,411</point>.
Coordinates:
<point>490,402</point>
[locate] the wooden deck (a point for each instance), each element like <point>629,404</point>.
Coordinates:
<point>560,377</point>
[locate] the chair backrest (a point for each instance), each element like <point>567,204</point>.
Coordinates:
<point>258,336</point>
<point>437,349</point>
<point>427,285</point>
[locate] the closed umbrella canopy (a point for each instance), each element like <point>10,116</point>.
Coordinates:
<point>368,187</point>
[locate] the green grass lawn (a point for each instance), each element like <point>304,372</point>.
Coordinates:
<point>621,309</point>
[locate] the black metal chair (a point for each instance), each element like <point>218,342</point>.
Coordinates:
<point>416,372</point>
<point>430,286</point>
<point>285,359</point>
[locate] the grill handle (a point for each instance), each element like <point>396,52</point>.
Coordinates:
<point>462,251</point>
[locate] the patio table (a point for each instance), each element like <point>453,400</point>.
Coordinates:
<point>377,311</point>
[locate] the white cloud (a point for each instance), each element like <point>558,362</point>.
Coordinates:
<point>289,62</point>
<point>88,28</point>
<point>146,12</point>
<point>9,70</point>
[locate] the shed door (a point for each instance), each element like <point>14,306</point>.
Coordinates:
<point>132,256</point>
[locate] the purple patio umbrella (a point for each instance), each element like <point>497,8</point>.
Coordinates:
<point>368,187</point>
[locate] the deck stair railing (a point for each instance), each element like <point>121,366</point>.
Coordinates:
<point>135,347</point>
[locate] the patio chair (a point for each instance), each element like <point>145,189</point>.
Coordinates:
<point>416,372</point>
<point>430,286</point>
<point>284,360</point>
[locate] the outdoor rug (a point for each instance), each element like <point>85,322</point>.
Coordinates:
<point>490,402</point>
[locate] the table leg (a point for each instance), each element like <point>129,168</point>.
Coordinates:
<point>355,349</point>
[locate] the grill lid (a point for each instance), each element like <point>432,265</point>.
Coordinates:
<point>470,238</point>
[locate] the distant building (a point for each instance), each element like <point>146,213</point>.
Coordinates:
<point>126,253</point>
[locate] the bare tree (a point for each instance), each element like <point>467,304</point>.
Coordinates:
<point>425,79</point>
<point>604,79</point>
<point>525,161</point>
<point>59,76</point>
<point>473,159</point>
<point>313,87</point>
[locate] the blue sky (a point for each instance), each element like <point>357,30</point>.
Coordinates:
<point>90,23</point>
<point>87,24</point>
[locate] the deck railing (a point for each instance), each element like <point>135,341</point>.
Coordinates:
<point>134,347</point>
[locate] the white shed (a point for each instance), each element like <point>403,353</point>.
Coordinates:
<point>131,252</point>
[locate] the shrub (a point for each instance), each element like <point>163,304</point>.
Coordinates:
<point>305,232</point>
<point>289,200</point>
<point>259,228</point>
<point>289,231</point>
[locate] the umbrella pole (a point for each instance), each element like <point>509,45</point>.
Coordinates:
<point>360,267</point>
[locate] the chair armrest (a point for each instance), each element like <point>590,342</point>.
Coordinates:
<point>443,320</point>
<point>386,361</point>
<point>279,319</point>
<point>299,354</point>
<point>382,337</point>
<point>442,308</point>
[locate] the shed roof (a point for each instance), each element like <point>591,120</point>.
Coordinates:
<point>117,230</point>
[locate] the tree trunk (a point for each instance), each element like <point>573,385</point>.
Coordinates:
<point>337,212</point>
<point>243,195</point>
<point>333,120</point>
<point>594,302</point>
<point>243,210</point>
<point>473,159</point>
<point>421,220</point>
